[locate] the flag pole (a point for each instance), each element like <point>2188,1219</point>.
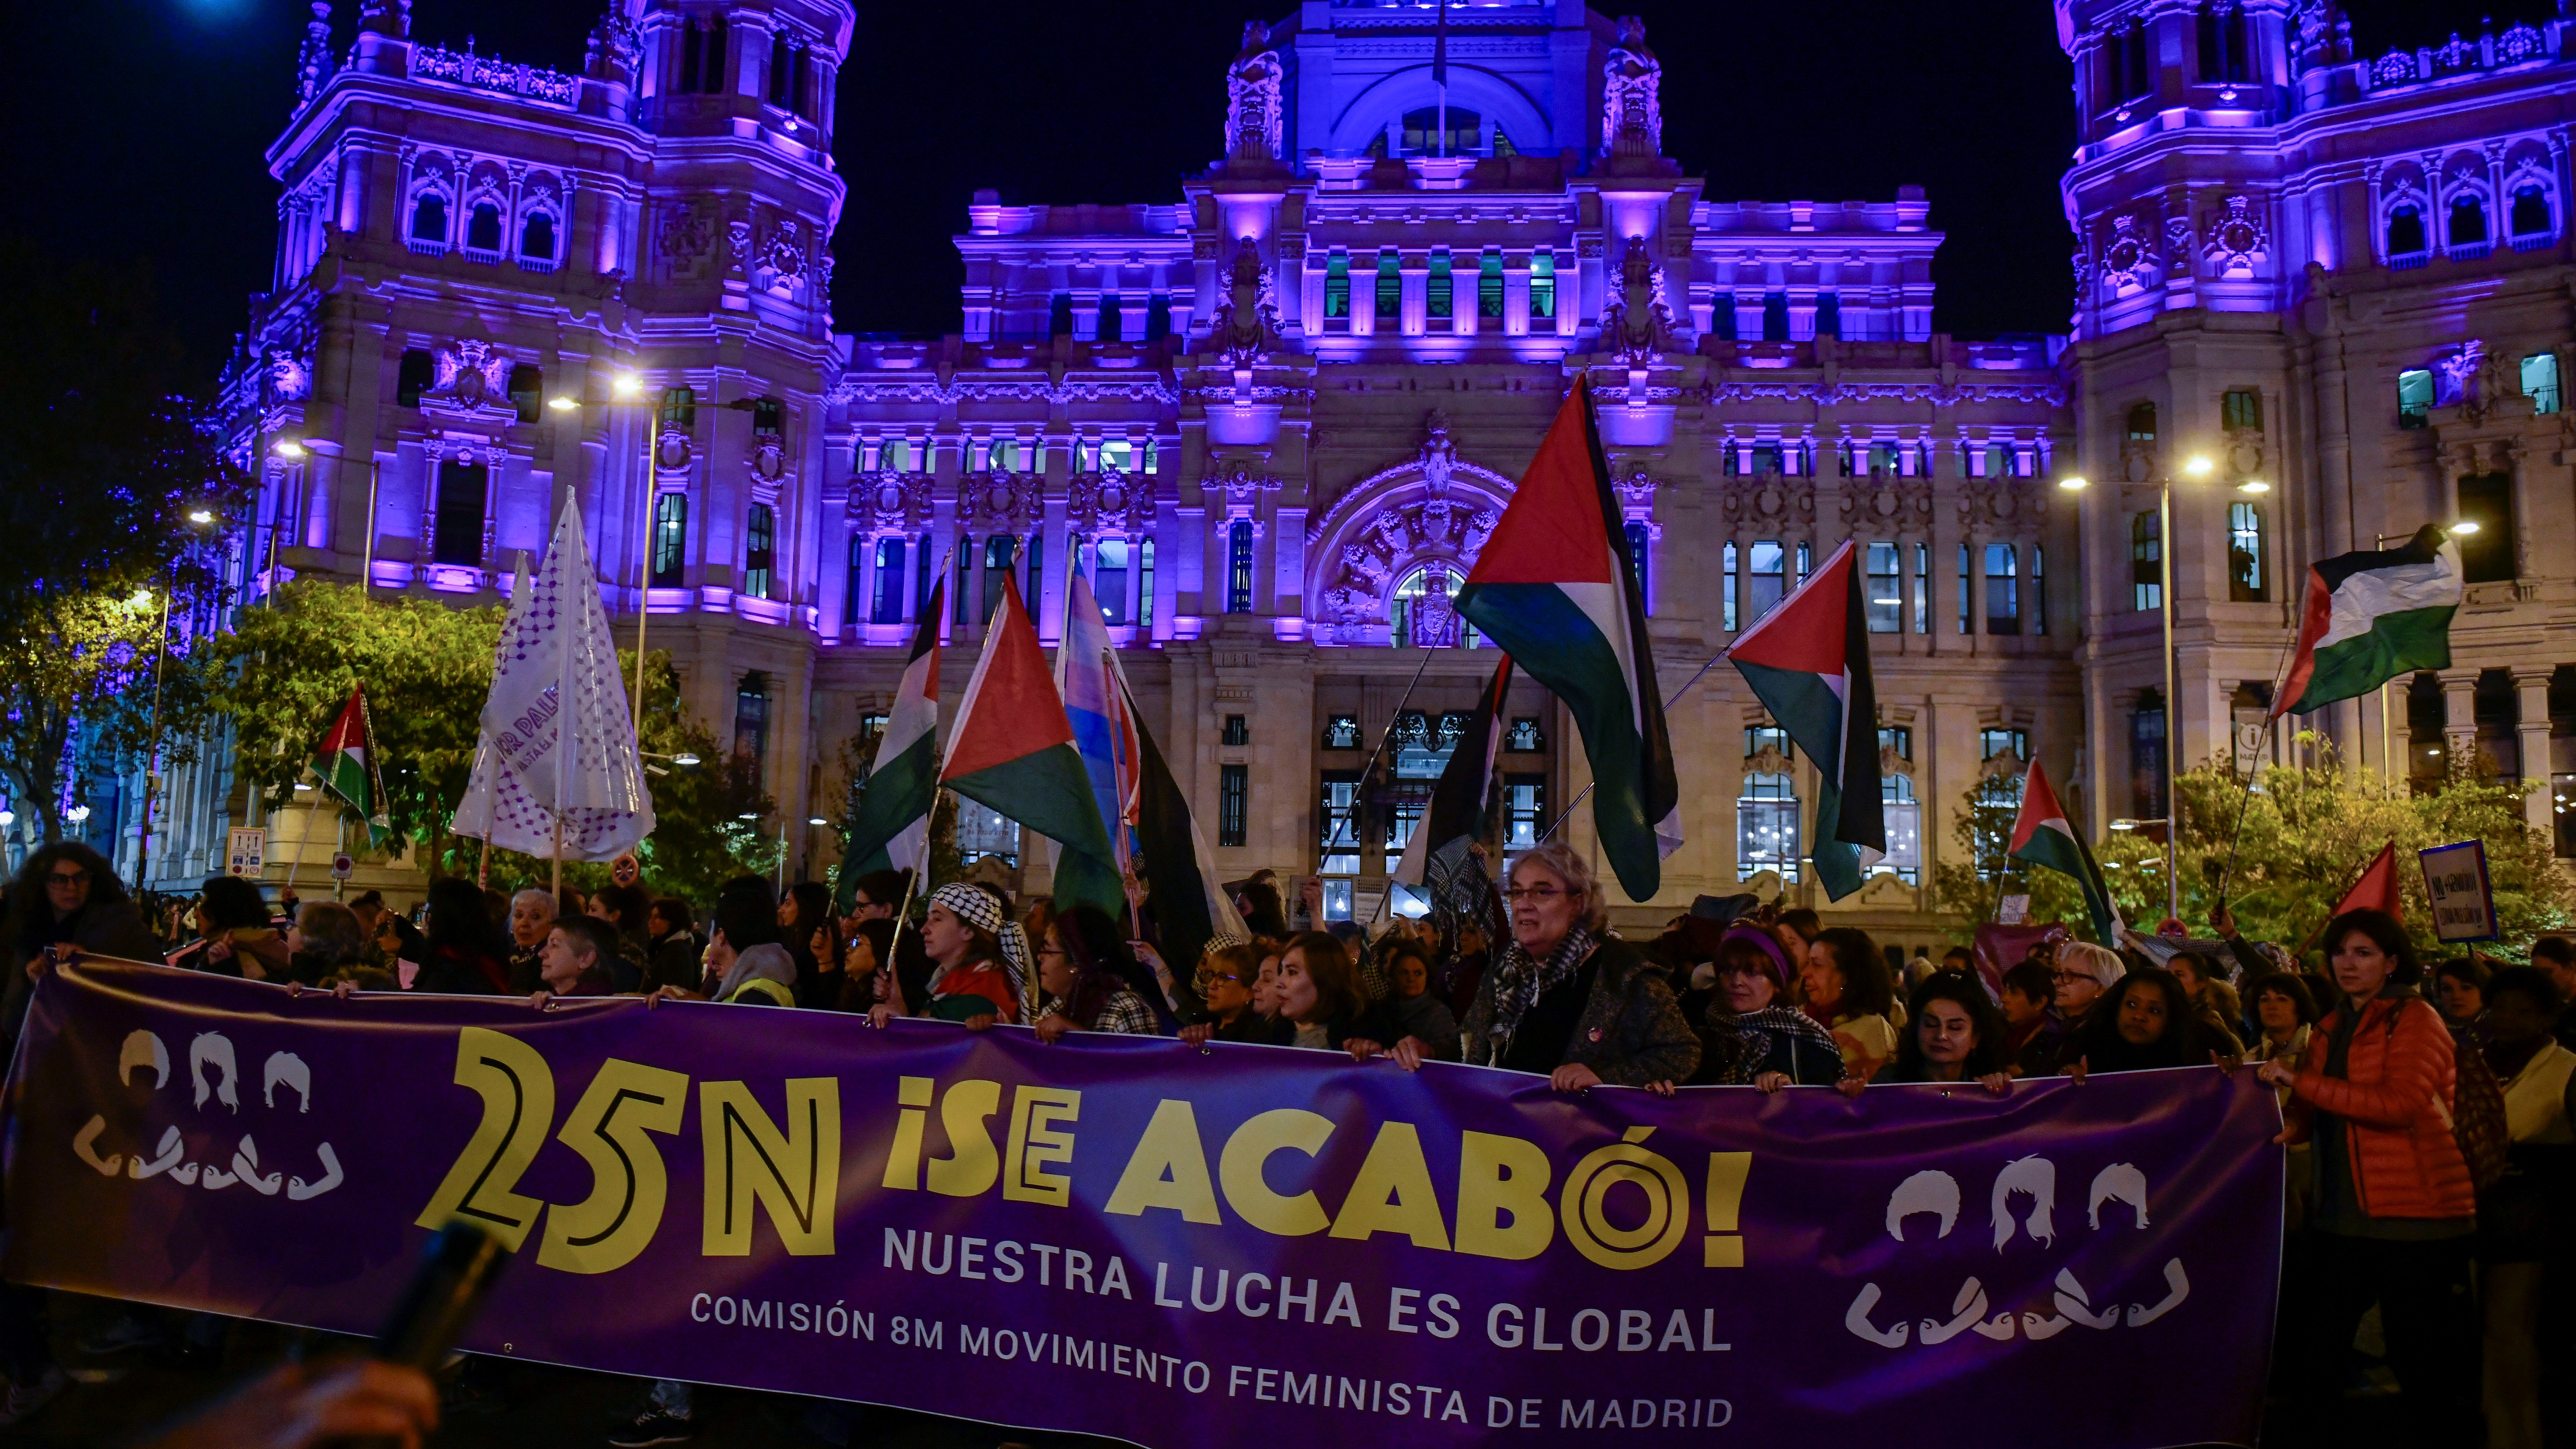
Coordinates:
<point>2246,798</point>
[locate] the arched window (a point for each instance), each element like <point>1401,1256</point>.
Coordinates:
<point>429,218</point>
<point>1766,827</point>
<point>2405,233</point>
<point>1423,135</point>
<point>2468,222</point>
<point>1437,627</point>
<point>537,238</point>
<point>2142,423</point>
<point>483,228</point>
<point>2530,216</point>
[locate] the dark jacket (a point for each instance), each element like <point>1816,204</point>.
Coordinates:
<point>675,962</point>
<point>1369,1023</point>
<point>1631,1032</point>
<point>450,971</point>
<point>101,928</point>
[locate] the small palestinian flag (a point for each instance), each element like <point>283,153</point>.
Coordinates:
<point>2371,616</point>
<point>1012,748</point>
<point>1808,662</point>
<point>347,764</point>
<point>890,828</point>
<point>1555,588</point>
<point>2043,836</point>
<point>1459,797</point>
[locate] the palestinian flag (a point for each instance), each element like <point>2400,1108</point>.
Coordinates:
<point>2371,616</point>
<point>1012,749</point>
<point>1190,903</point>
<point>1555,588</point>
<point>347,763</point>
<point>1457,809</point>
<point>2376,888</point>
<point>2043,836</point>
<point>890,826</point>
<point>1808,662</point>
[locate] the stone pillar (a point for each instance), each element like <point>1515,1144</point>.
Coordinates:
<point>2459,713</point>
<point>2531,691</point>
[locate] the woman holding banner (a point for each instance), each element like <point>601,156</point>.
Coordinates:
<point>1565,1000</point>
<point>1080,984</point>
<point>1755,1037</point>
<point>2396,1213</point>
<point>1954,1033</point>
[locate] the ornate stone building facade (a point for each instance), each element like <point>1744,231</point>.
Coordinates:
<point>2345,283</point>
<point>1274,421</point>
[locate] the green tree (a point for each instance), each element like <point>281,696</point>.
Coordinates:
<point>284,673</point>
<point>106,470</point>
<point>2311,826</point>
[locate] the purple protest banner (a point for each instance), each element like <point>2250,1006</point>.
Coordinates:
<point>1132,1237</point>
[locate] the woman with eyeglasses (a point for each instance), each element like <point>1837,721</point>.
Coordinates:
<point>1225,989</point>
<point>1080,986</point>
<point>67,895</point>
<point>1566,1000</point>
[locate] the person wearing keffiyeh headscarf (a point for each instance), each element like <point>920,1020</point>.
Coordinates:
<point>962,933</point>
<point>1754,1037</point>
<point>1566,1000</point>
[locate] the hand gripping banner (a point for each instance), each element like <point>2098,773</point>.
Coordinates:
<point>1179,1247</point>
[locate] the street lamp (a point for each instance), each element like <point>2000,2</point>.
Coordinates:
<point>2074,483</point>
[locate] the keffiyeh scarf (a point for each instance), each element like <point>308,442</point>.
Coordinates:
<point>976,907</point>
<point>1754,1033</point>
<point>1519,981</point>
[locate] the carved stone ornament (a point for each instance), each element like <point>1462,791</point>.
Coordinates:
<point>1632,111</point>
<point>1635,323</point>
<point>288,377</point>
<point>1246,322</point>
<point>1439,455</point>
<point>737,246</point>
<point>671,450</point>
<point>1001,499</point>
<point>2130,263</point>
<point>471,377</point>
<point>2008,503</point>
<point>1252,98</point>
<point>1768,498</point>
<point>2237,239</point>
<point>687,234</point>
<point>1241,489</point>
<point>1890,501</point>
<point>887,501</point>
<point>782,262</point>
<point>1636,492</point>
<point>769,458</point>
<point>1110,499</point>
<point>1435,618</point>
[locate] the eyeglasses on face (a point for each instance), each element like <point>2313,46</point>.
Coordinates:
<point>1540,893</point>
<point>1210,978</point>
<point>74,876</point>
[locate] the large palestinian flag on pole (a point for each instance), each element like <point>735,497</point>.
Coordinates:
<point>890,827</point>
<point>1808,661</point>
<point>2372,615</point>
<point>1555,588</point>
<point>348,764</point>
<point>1012,749</point>
<point>2044,836</point>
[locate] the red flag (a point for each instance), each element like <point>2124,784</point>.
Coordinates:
<point>2377,888</point>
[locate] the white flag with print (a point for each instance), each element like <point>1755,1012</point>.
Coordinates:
<point>557,742</point>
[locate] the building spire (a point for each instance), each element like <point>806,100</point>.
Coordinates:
<point>313,58</point>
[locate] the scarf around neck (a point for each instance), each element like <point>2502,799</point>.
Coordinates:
<point>1521,979</point>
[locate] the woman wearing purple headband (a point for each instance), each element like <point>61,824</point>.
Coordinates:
<point>1754,1036</point>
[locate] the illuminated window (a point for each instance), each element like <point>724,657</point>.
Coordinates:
<point>1238,567</point>
<point>1337,285</point>
<point>1766,827</point>
<point>1922,588</point>
<point>1904,858</point>
<point>2003,589</point>
<point>2414,397</point>
<point>1342,732</point>
<point>2146,562</point>
<point>2038,590</point>
<point>1001,556</point>
<point>1390,287</point>
<point>1145,585</point>
<point>1109,579</point>
<point>2487,556</point>
<point>1524,737</point>
<point>1524,810</point>
<point>679,409</point>
<point>2245,581</point>
<point>1728,589</point>
<point>1543,284</point>
<point>2540,381</point>
<point>1766,563</point>
<point>1436,291</point>
<point>760,551</point>
<point>2142,423</point>
<point>1489,285</point>
<point>1338,814</point>
<point>2147,756</point>
<point>1966,586</point>
<point>1036,589</point>
<point>888,608</point>
<point>670,538</point>
<point>1424,134</point>
<point>1886,605</point>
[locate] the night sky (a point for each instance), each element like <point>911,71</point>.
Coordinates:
<point>141,125</point>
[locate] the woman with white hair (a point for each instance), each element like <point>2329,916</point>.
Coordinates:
<point>1567,1000</point>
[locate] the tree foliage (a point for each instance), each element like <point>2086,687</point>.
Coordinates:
<point>1973,877</point>
<point>2310,827</point>
<point>284,673</point>
<point>106,463</point>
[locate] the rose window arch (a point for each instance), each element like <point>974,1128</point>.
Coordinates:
<point>1394,540</point>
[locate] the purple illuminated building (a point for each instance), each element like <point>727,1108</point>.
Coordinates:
<point>1273,421</point>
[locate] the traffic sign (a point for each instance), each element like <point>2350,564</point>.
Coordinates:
<point>625,869</point>
<point>342,867</point>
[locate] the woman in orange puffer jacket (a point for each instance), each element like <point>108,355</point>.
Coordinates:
<point>2396,1215</point>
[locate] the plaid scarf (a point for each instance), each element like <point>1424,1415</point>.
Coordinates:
<point>1753,1034</point>
<point>1519,981</point>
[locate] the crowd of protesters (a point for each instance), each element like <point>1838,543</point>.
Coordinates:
<point>2431,1159</point>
